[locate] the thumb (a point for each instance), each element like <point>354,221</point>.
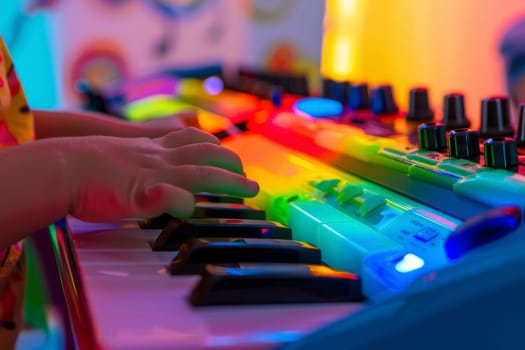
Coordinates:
<point>163,198</point>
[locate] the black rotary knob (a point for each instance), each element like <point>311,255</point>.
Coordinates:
<point>495,118</point>
<point>327,87</point>
<point>520,138</point>
<point>335,90</point>
<point>432,136</point>
<point>418,106</point>
<point>454,116</point>
<point>464,144</point>
<point>382,101</point>
<point>359,97</point>
<point>500,153</point>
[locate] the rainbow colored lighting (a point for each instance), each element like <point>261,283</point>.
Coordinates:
<point>161,106</point>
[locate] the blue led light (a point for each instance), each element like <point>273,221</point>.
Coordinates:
<point>277,96</point>
<point>213,85</point>
<point>409,262</point>
<point>318,107</point>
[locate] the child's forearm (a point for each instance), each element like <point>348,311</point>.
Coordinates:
<point>33,189</point>
<point>81,123</point>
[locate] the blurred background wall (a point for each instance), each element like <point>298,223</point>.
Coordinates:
<point>447,45</point>
<point>25,28</point>
<point>117,39</point>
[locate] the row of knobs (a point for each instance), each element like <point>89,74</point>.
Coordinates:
<point>452,133</point>
<point>500,149</point>
<point>464,143</point>
<point>358,97</point>
<point>495,115</point>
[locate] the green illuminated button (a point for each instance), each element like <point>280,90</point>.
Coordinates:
<point>306,217</point>
<point>394,152</point>
<point>344,245</point>
<point>433,176</point>
<point>326,186</point>
<point>279,209</point>
<point>430,158</point>
<point>399,149</point>
<point>348,192</point>
<point>461,167</point>
<point>495,187</point>
<point>396,157</point>
<point>367,201</point>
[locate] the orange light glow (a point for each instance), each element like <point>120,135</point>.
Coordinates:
<point>446,45</point>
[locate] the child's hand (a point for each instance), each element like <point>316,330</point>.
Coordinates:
<point>141,177</point>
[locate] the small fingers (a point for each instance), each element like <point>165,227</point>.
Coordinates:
<point>212,179</point>
<point>187,136</point>
<point>164,198</point>
<point>206,154</point>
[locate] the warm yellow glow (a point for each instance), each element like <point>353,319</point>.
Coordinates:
<point>347,7</point>
<point>341,53</point>
<point>212,122</point>
<point>342,9</point>
<point>338,63</point>
<point>342,49</point>
<point>435,43</point>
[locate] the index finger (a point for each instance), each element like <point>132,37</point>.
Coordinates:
<point>187,136</point>
<point>212,179</point>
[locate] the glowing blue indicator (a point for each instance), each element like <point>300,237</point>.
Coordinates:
<point>213,85</point>
<point>318,107</point>
<point>409,262</point>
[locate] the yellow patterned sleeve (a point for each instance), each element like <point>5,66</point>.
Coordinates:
<point>16,120</point>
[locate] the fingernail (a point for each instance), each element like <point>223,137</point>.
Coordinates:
<point>253,185</point>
